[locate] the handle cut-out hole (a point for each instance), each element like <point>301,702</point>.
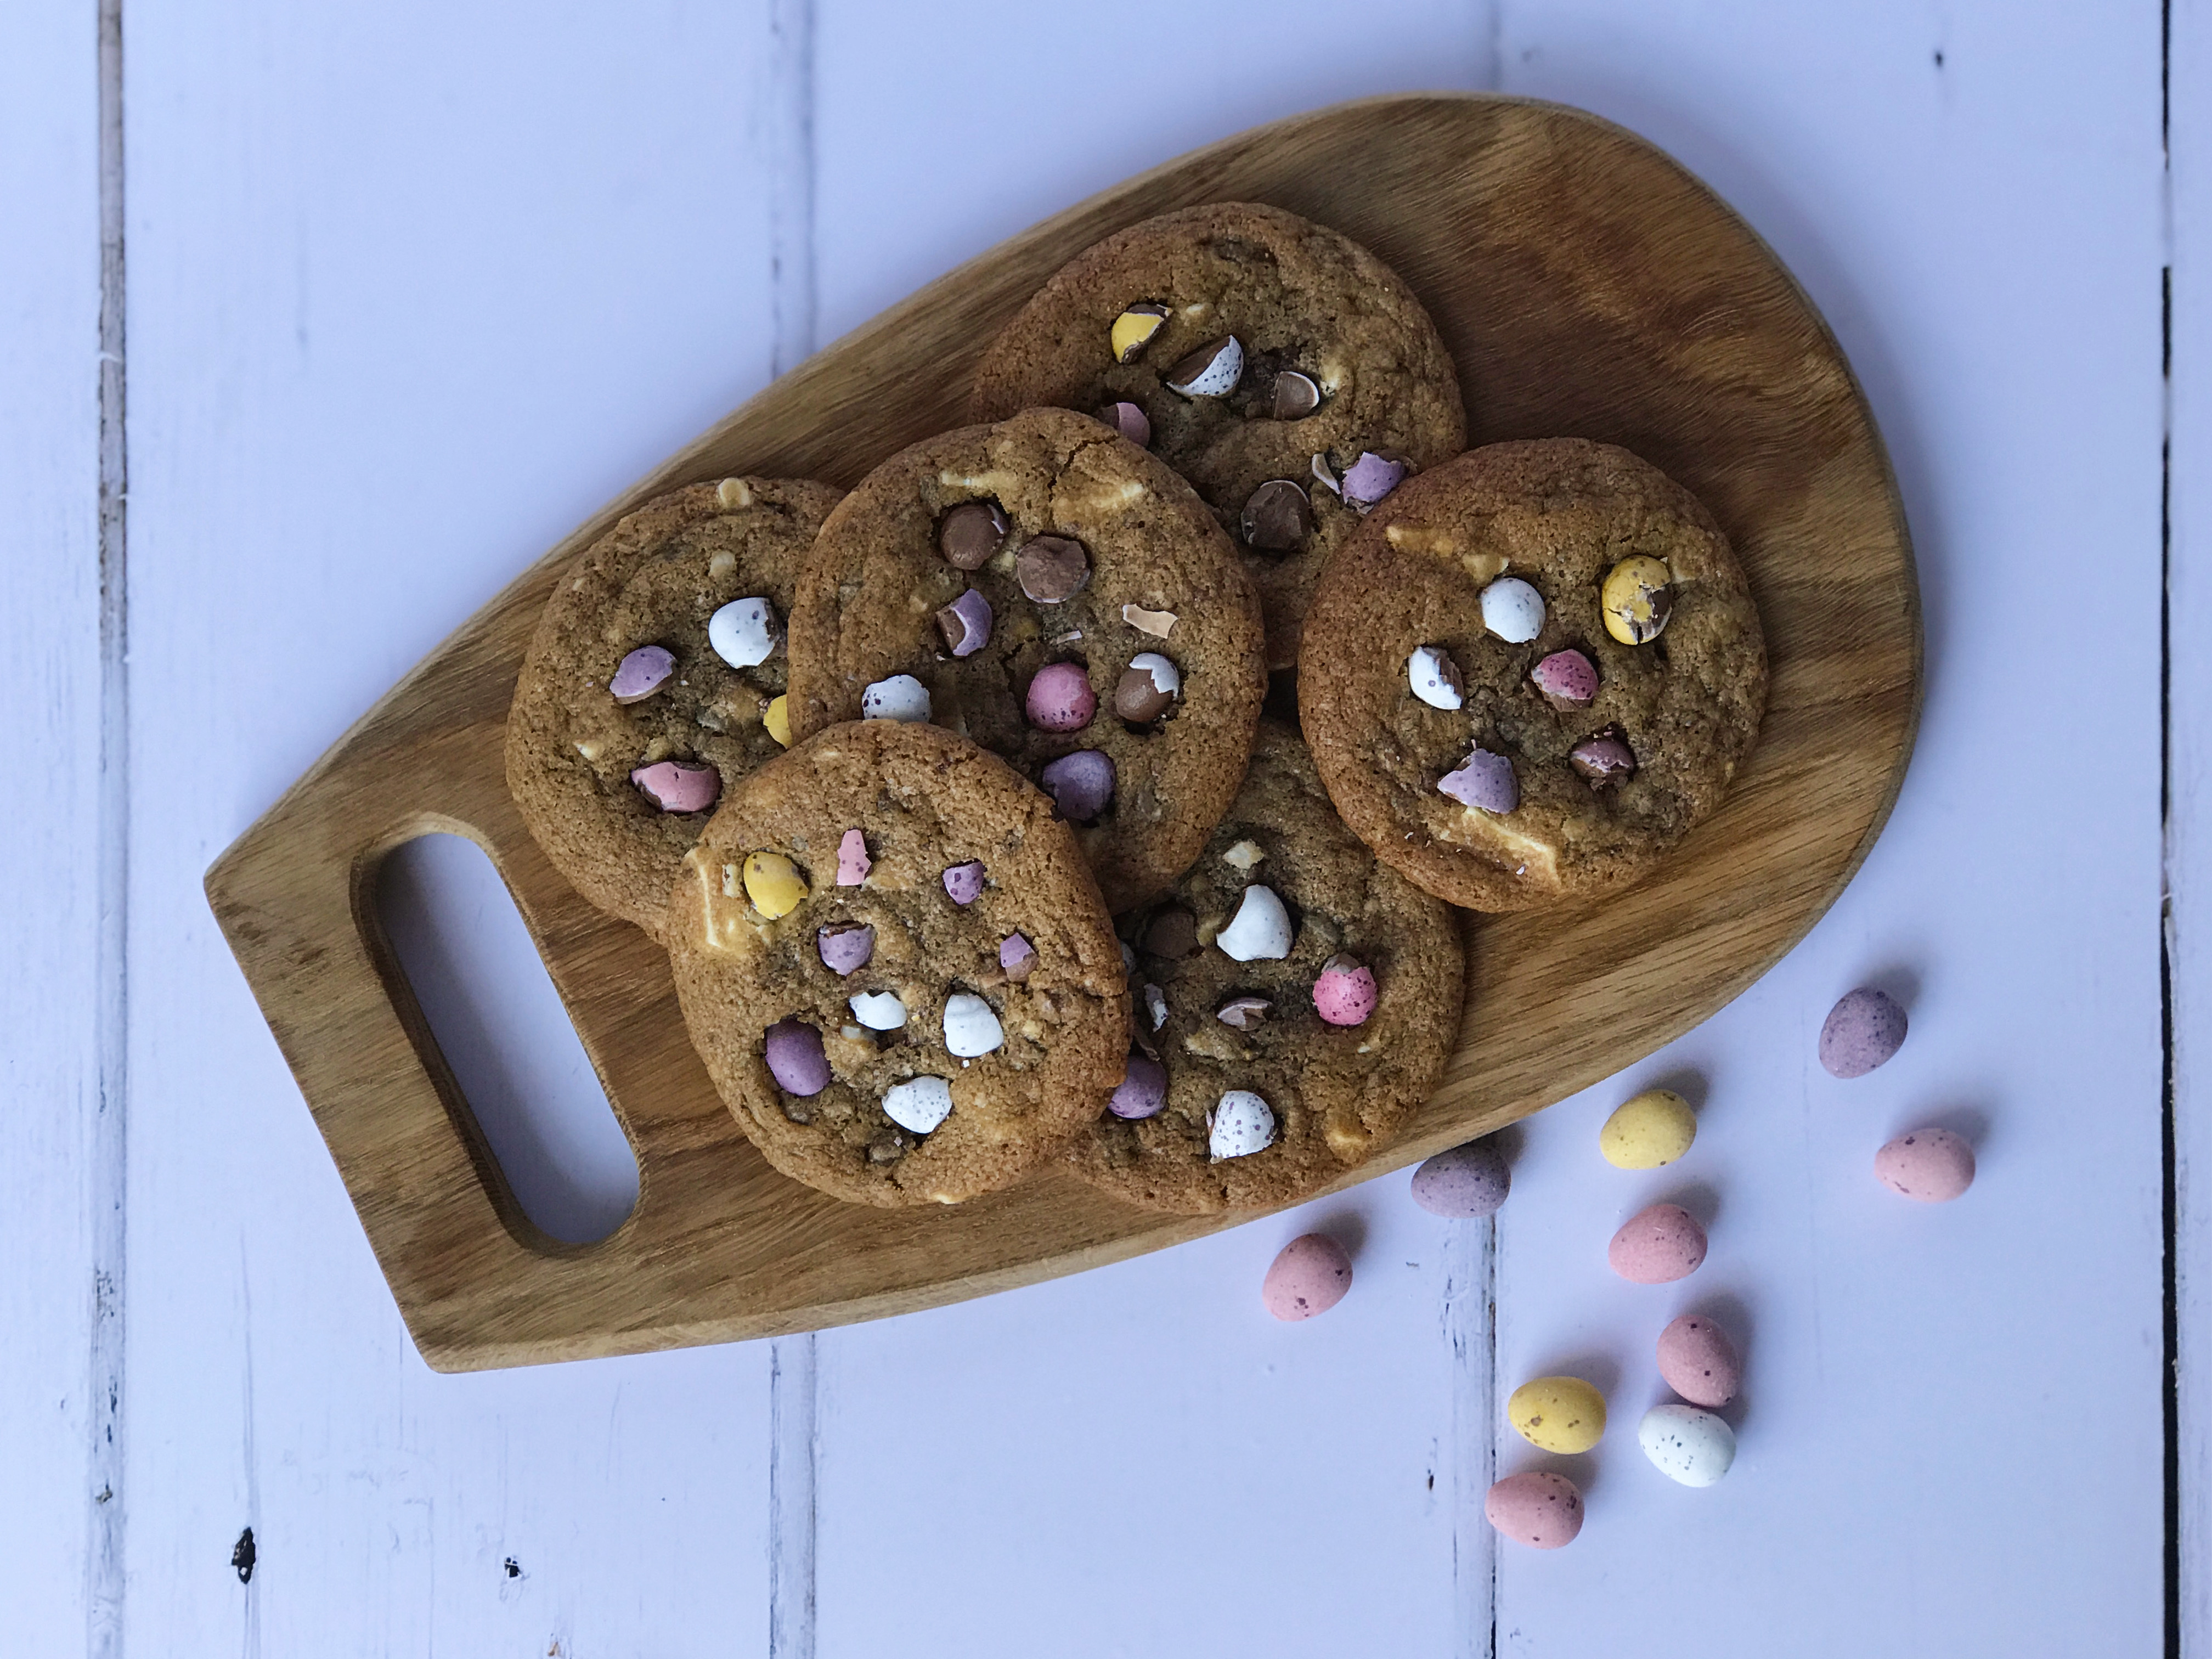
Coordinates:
<point>501,1026</point>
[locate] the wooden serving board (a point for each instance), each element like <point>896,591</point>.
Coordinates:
<point>1587,286</point>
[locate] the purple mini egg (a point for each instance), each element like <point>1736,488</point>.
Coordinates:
<point>795,1058</point>
<point>1862,1031</point>
<point>964,883</point>
<point>1081,784</point>
<point>641,673</point>
<point>1464,1183</point>
<point>1143,1091</point>
<point>846,947</point>
<point>1485,780</point>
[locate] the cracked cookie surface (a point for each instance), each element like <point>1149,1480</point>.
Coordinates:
<point>1152,576</point>
<point>1603,782</point>
<point>1337,1093</point>
<point>655,580</point>
<point>778,869</point>
<point>1299,298</point>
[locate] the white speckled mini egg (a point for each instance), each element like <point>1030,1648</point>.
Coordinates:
<point>1685,1445</point>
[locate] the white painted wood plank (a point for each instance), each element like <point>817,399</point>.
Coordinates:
<point>1951,1428</point>
<point>415,288</point>
<point>942,131</point>
<point>1143,1461</point>
<point>1137,1459</point>
<point>2189,821</point>
<point>50,681</point>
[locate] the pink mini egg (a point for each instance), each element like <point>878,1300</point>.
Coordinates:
<point>1699,1362</point>
<point>1657,1246</point>
<point>1060,699</point>
<point>1539,1508</point>
<point>1932,1166</point>
<point>1345,992</point>
<point>1309,1277</point>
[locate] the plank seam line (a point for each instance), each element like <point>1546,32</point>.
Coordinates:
<point>2171,1192</point>
<point>795,1437</point>
<point>108,1166</point>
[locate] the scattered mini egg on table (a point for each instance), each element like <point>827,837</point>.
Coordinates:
<point>1649,1131</point>
<point>1310,1276</point>
<point>1465,1182</point>
<point>1685,1445</point>
<point>1558,1414</point>
<point>1699,1362</point>
<point>1932,1166</point>
<point>1657,1246</point>
<point>1862,1031</point>
<point>1537,1508</point>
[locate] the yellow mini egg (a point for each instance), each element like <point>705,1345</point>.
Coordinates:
<point>773,883</point>
<point>1558,1413</point>
<point>1654,1128</point>
<point>1638,597</point>
<point>1133,329</point>
<point>776,717</point>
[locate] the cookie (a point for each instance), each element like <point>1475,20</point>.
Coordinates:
<point>1262,357</point>
<point>651,683</point>
<point>896,967</point>
<point>1531,672</point>
<point>1054,593</point>
<point>1295,1002</point>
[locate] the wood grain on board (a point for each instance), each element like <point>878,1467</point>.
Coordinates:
<point>1587,286</point>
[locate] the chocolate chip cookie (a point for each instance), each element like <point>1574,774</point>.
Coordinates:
<point>655,682</point>
<point>1282,368</point>
<point>1531,671</point>
<point>1055,594</point>
<point>1295,1001</point>
<point>896,967</point>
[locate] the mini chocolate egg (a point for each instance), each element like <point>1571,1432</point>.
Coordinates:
<point>1648,1131</point>
<point>900,697</point>
<point>773,883</point>
<point>1863,1029</point>
<point>744,632</point>
<point>1657,1246</point>
<point>793,1049</point>
<point>1468,1181</point>
<point>1513,610</point>
<point>1932,1166</point>
<point>919,1103</point>
<point>1260,929</point>
<point>971,1028</point>
<point>1241,1124</point>
<point>1558,1414</point>
<point>1346,993</point>
<point>1310,1276</point>
<point>1699,1362</point>
<point>1434,678</point>
<point>1692,1447</point>
<point>1537,1508</point>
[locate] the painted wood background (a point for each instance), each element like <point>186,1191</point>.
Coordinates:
<point>316,322</point>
